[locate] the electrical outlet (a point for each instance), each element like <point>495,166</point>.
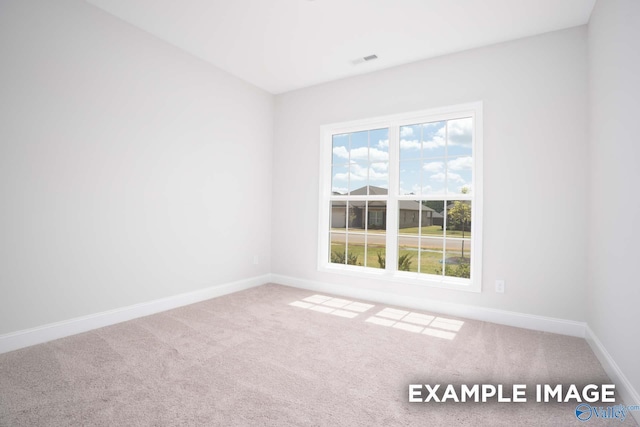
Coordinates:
<point>500,286</point>
<point>256,260</point>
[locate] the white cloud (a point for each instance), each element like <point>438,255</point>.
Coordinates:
<point>342,176</point>
<point>460,131</point>
<point>383,144</point>
<point>358,173</point>
<point>460,163</point>
<point>341,152</point>
<point>382,167</point>
<point>451,176</point>
<point>378,176</point>
<point>406,131</point>
<point>437,141</point>
<point>406,144</point>
<point>362,153</point>
<point>433,166</point>
<point>454,177</point>
<point>376,155</point>
<point>438,177</point>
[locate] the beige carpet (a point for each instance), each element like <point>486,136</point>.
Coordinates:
<point>274,356</point>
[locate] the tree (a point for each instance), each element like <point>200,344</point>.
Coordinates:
<point>459,217</point>
<point>436,205</point>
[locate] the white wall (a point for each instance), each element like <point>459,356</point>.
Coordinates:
<point>129,170</point>
<point>614,176</point>
<point>535,154</point>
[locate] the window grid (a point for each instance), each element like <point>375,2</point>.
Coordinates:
<point>392,198</point>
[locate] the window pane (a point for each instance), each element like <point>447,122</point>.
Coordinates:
<point>407,253</point>
<point>379,145</point>
<point>337,248</point>
<point>410,142</point>
<point>379,176</point>
<point>410,177</point>
<point>459,219</point>
<point>340,149</point>
<point>459,175</point>
<point>377,216</point>
<point>358,177</point>
<point>355,216</point>
<point>432,166</point>
<point>355,249</point>
<point>433,218</point>
<point>426,218</point>
<point>376,253</point>
<point>458,258</point>
<point>434,139</point>
<point>458,243</point>
<point>409,217</point>
<point>340,179</point>
<point>433,176</point>
<point>359,146</point>
<point>460,140</point>
<point>338,216</point>
<point>431,255</point>
<point>376,234</point>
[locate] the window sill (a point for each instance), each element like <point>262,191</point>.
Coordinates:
<point>403,277</point>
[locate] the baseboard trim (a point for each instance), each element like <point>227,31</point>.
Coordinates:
<point>624,389</point>
<point>520,320</point>
<point>41,334</point>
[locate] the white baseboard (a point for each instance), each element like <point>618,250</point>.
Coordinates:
<point>510,318</point>
<point>52,331</point>
<point>624,388</point>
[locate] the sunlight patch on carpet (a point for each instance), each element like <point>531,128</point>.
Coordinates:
<point>405,320</point>
<point>334,306</point>
<point>439,327</point>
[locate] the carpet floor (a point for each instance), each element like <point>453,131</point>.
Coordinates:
<point>279,356</point>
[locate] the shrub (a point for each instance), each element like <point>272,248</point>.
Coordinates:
<point>382,260</point>
<point>456,270</point>
<point>404,262</point>
<point>352,259</point>
<point>339,258</point>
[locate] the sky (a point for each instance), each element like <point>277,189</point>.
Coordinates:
<point>435,158</point>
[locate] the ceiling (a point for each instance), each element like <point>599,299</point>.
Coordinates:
<point>282,45</point>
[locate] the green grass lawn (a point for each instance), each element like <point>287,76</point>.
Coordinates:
<point>430,260</point>
<point>372,253</point>
<point>360,230</point>
<point>433,230</point>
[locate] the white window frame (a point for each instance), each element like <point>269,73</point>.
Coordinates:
<point>393,122</point>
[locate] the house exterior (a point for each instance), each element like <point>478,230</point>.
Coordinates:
<point>409,212</point>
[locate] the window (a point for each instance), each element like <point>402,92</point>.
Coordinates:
<point>406,188</point>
